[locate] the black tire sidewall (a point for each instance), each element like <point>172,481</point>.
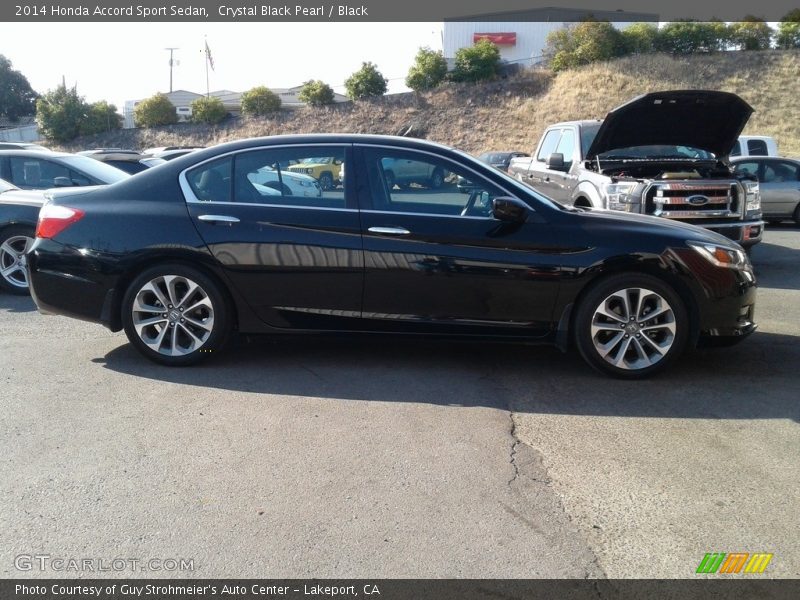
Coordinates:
<point>7,233</point>
<point>219,334</point>
<point>606,287</point>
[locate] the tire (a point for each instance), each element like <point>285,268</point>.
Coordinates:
<point>437,179</point>
<point>641,346</point>
<point>201,331</point>
<point>390,180</point>
<point>15,241</point>
<point>326,181</point>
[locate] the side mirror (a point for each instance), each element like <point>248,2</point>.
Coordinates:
<point>62,182</point>
<point>555,161</point>
<point>509,210</point>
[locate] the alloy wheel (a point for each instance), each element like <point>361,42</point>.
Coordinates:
<point>173,315</point>
<point>633,328</point>
<point>13,263</point>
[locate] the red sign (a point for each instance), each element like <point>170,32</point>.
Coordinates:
<point>501,39</point>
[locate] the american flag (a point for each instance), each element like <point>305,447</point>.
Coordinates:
<point>209,57</point>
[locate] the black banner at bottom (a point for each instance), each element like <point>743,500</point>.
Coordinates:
<point>398,589</point>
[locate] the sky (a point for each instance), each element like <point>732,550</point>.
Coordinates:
<point>128,61</point>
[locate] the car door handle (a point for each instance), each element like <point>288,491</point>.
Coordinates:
<point>218,219</point>
<point>389,230</point>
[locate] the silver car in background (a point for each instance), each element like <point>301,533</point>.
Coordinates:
<point>779,182</point>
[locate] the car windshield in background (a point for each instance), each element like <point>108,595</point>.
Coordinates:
<point>96,169</point>
<point>659,151</point>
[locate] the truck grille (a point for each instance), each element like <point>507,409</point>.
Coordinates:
<point>695,200</point>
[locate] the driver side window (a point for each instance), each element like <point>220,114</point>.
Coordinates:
<point>410,182</point>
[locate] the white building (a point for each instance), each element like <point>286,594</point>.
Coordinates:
<point>232,101</point>
<point>521,36</point>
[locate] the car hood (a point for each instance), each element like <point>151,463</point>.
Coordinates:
<point>701,119</point>
<point>649,226</point>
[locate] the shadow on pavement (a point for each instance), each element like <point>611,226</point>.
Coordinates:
<point>16,304</point>
<point>758,379</point>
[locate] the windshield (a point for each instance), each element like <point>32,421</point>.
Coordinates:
<point>5,186</point>
<point>95,169</point>
<point>659,151</point>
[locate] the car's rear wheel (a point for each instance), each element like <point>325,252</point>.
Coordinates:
<point>175,315</point>
<point>437,179</point>
<point>631,326</point>
<point>14,244</point>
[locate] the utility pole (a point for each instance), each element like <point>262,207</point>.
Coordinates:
<point>171,64</point>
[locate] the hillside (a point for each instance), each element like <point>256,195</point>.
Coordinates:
<point>511,113</point>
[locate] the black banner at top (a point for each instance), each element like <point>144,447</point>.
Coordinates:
<point>386,10</point>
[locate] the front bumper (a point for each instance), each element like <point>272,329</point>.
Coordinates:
<point>746,233</point>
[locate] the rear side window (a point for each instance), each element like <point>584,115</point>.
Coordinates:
<point>211,182</point>
<point>36,174</point>
<point>549,144</point>
<point>757,147</point>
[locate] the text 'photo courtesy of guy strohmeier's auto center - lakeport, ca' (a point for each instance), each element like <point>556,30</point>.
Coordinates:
<point>421,300</point>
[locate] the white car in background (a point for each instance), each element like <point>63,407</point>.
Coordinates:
<point>287,183</point>
<point>755,145</point>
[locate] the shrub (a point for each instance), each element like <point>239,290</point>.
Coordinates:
<point>788,35</point>
<point>260,101</point>
<point>366,82</point>
<point>208,110</point>
<point>154,112</point>
<point>686,37</point>
<point>584,43</point>
<point>640,38</point>
<point>751,33</point>
<point>428,71</point>
<point>477,63</point>
<point>316,93</point>
<point>60,113</point>
<point>99,117</point>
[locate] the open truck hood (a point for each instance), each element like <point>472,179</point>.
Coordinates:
<point>707,120</point>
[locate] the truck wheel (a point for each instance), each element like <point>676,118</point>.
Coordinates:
<point>437,179</point>
<point>631,326</point>
<point>326,181</point>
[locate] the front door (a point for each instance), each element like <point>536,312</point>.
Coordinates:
<point>437,261</point>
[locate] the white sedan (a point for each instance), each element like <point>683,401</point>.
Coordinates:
<point>286,183</point>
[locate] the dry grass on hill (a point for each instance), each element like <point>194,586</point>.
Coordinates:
<point>511,113</point>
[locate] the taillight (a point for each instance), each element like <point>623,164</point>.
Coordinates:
<point>54,219</point>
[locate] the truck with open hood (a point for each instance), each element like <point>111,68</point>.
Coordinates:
<point>663,154</point>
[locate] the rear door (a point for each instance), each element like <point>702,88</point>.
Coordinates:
<point>437,261</point>
<point>293,251</point>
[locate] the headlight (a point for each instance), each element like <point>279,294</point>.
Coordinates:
<point>752,195</point>
<point>619,195</point>
<point>722,256</point>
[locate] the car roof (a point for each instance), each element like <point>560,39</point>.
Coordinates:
<point>35,153</point>
<point>579,123</point>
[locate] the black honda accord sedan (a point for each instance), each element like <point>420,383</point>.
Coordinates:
<point>214,242</point>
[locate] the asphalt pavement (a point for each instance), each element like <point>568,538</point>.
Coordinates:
<point>388,458</point>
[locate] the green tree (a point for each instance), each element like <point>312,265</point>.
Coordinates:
<point>155,111</point>
<point>751,33</point>
<point>99,117</point>
<point>367,82</point>
<point>316,93</point>
<point>788,35</point>
<point>584,43</point>
<point>428,71</point>
<point>640,38</point>
<point>17,98</point>
<point>60,114</point>
<point>260,101</point>
<point>477,63</point>
<point>687,37</point>
<point>208,110</point>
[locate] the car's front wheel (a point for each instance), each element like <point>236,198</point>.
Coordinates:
<point>175,315</point>
<point>14,244</point>
<point>631,326</point>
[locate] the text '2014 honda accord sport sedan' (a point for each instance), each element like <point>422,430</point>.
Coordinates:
<point>184,255</point>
